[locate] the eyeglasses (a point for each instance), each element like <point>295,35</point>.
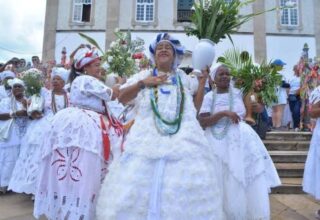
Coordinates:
<point>17,86</point>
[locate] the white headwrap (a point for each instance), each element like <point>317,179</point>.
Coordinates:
<point>12,82</point>
<point>61,72</point>
<point>7,73</point>
<point>214,70</point>
<point>178,49</point>
<point>87,59</point>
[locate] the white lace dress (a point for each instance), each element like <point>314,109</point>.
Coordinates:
<point>10,147</point>
<point>73,163</point>
<point>246,171</point>
<point>311,177</point>
<point>162,176</point>
<point>26,171</point>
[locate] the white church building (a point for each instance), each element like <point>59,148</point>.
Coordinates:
<point>277,34</point>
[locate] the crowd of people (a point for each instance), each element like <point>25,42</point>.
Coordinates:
<point>157,145</point>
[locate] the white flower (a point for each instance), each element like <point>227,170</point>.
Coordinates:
<point>113,44</point>
<point>110,58</point>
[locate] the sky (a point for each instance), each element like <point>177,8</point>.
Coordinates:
<point>21,28</point>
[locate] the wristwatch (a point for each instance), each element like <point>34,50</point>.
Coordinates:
<point>141,85</point>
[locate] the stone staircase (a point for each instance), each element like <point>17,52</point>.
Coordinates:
<point>288,151</point>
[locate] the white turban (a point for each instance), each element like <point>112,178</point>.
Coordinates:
<point>7,73</point>
<point>86,59</point>
<point>61,72</point>
<point>15,81</point>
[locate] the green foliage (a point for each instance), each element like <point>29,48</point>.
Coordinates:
<point>33,82</point>
<point>218,19</point>
<point>262,79</point>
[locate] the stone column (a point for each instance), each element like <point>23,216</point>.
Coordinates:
<point>50,27</point>
<point>259,32</point>
<point>113,11</point>
<point>317,25</point>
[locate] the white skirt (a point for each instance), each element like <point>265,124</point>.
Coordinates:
<point>72,166</point>
<point>140,188</point>
<point>8,158</point>
<point>26,171</point>
<point>246,173</point>
<point>311,177</point>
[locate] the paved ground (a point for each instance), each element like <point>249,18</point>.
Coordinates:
<point>283,207</point>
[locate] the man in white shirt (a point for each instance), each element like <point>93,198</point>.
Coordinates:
<point>294,98</point>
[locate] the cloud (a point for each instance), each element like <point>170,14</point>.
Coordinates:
<point>21,25</point>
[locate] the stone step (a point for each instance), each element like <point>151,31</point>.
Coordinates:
<point>287,145</point>
<point>289,186</point>
<point>290,170</point>
<point>288,136</point>
<point>288,156</point>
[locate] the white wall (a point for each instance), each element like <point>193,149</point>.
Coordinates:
<point>289,50</point>
<point>72,40</point>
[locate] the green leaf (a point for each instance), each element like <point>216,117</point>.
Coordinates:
<point>91,41</point>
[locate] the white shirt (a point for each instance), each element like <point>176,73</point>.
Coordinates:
<point>295,83</point>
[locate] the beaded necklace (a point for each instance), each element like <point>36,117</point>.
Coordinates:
<point>163,125</point>
<point>225,121</point>
<point>53,102</point>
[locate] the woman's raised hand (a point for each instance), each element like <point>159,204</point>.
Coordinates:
<point>155,80</point>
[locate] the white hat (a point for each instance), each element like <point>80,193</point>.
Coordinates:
<point>7,73</point>
<point>61,72</point>
<point>88,58</point>
<point>15,81</point>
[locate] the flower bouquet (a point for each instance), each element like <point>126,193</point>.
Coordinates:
<point>258,82</point>
<point>120,56</point>
<point>33,81</point>
<point>212,21</point>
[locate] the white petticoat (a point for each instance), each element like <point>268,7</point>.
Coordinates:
<point>311,177</point>
<point>246,173</point>
<point>72,166</point>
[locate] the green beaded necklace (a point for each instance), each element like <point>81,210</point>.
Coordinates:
<point>165,126</point>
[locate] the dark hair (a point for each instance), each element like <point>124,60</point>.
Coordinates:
<point>74,72</point>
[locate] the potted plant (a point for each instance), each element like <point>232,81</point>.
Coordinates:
<point>258,82</point>
<point>212,21</point>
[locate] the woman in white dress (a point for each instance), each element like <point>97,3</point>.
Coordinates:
<point>26,172</point>
<point>13,124</point>
<point>165,171</point>
<point>246,171</point>
<point>81,143</point>
<point>311,177</point>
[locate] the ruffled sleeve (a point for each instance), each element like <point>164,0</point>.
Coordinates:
<point>207,103</point>
<point>136,78</point>
<point>92,86</point>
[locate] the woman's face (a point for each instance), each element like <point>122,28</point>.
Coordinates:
<point>164,54</point>
<point>57,83</point>
<point>94,69</point>
<point>17,90</point>
<point>222,78</point>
